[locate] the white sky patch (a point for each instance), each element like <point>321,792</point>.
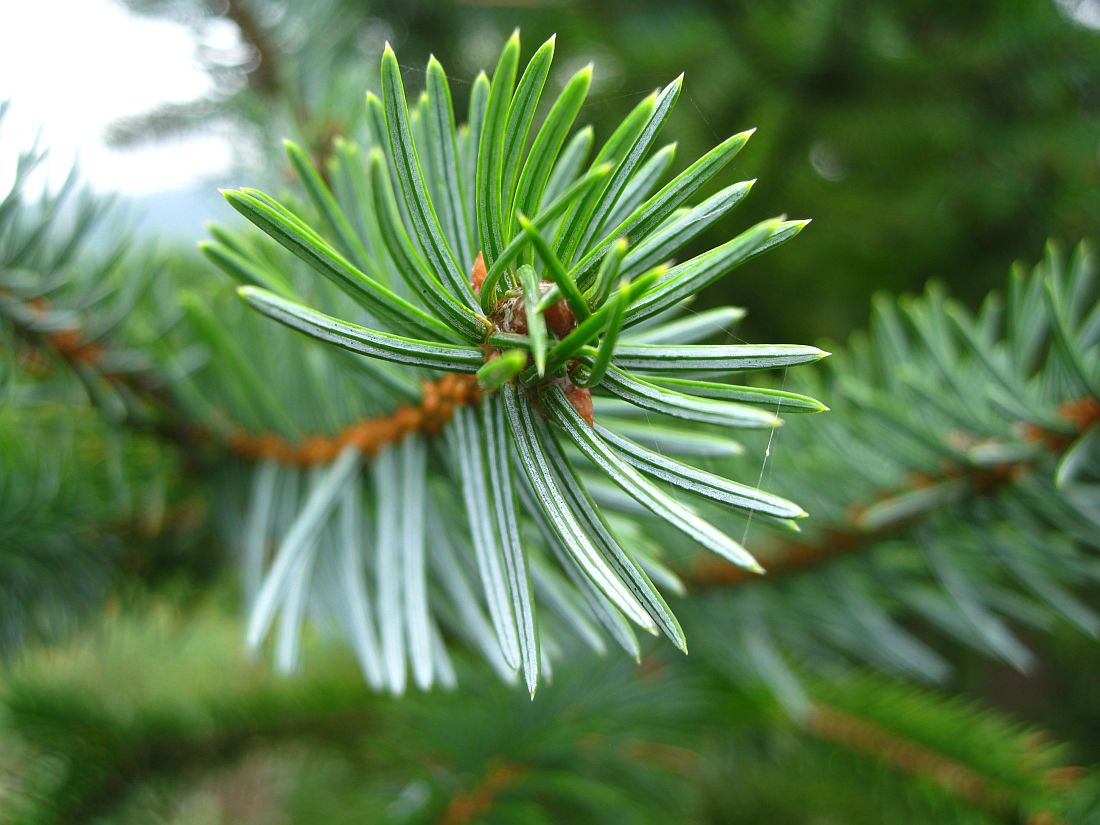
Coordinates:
<point>71,67</point>
<point>1084,12</point>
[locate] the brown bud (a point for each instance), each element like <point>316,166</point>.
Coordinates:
<point>478,273</point>
<point>581,399</point>
<point>560,319</point>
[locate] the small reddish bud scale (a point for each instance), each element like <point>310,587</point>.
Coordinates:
<point>580,398</point>
<point>478,273</point>
<point>560,319</point>
<point>1083,412</point>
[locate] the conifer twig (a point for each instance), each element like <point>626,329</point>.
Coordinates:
<point>791,557</point>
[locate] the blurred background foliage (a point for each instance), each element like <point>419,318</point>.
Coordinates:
<point>926,140</point>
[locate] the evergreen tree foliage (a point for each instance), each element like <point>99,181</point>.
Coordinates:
<point>155,716</point>
<point>953,485</point>
<point>542,343</point>
<point>79,496</point>
<point>521,440</point>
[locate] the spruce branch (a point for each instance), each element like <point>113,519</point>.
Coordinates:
<point>162,703</point>
<point>985,760</point>
<point>860,533</point>
<point>955,488</point>
<point>149,701</point>
<point>66,303</point>
<point>571,266</point>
